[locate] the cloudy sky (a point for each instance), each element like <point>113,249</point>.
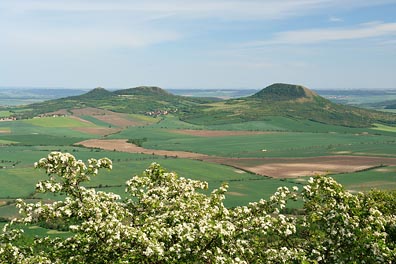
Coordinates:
<point>198,43</point>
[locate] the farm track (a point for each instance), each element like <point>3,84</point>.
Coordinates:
<point>124,146</point>
<point>272,167</point>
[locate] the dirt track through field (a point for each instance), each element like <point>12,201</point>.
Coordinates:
<point>124,146</point>
<point>272,167</point>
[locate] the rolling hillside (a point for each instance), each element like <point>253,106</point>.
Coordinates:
<point>286,100</point>
<point>292,101</point>
<point>137,100</point>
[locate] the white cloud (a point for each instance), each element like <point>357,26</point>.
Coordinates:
<point>311,36</point>
<point>335,19</point>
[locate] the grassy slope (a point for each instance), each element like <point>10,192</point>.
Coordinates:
<point>138,100</point>
<point>58,122</point>
<point>253,109</point>
<point>45,131</point>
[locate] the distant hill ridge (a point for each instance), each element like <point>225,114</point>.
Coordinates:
<point>143,90</point>
<point>276,91</point>
<point>102,93</point>
<point>279,99</point>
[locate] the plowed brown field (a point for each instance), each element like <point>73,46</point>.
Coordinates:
<point>296,167</point>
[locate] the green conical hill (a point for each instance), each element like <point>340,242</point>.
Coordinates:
<point>97,93</point>
<point>283,91</point>
<point>286,100</point>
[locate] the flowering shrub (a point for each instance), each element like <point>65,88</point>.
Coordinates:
<point>168,219</point>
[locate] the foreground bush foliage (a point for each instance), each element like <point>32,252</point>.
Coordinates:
<point>169,219</point>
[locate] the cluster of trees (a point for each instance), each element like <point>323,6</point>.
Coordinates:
<point>170,219</point>
<point>137,141</point>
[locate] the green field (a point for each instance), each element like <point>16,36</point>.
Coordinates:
<point>57,122</point>
<point>24,142</point>
<point>5,113</point>
<point>95,121</point>
<point>21,178</point>
<point>276,144</point>
<point>45,131</point>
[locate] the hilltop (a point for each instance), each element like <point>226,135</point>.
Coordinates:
<point>97,93</point>
<point>284,92</point>
<point>144,90</point>
<point>286,100</point>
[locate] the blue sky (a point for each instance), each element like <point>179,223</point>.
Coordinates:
<point>342,44</point>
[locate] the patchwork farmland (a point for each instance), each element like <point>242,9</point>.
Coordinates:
<point>254,156</point>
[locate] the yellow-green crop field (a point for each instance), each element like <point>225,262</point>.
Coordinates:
<point>58,122</point>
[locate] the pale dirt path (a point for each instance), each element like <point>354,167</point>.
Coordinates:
<point>124,146</point>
